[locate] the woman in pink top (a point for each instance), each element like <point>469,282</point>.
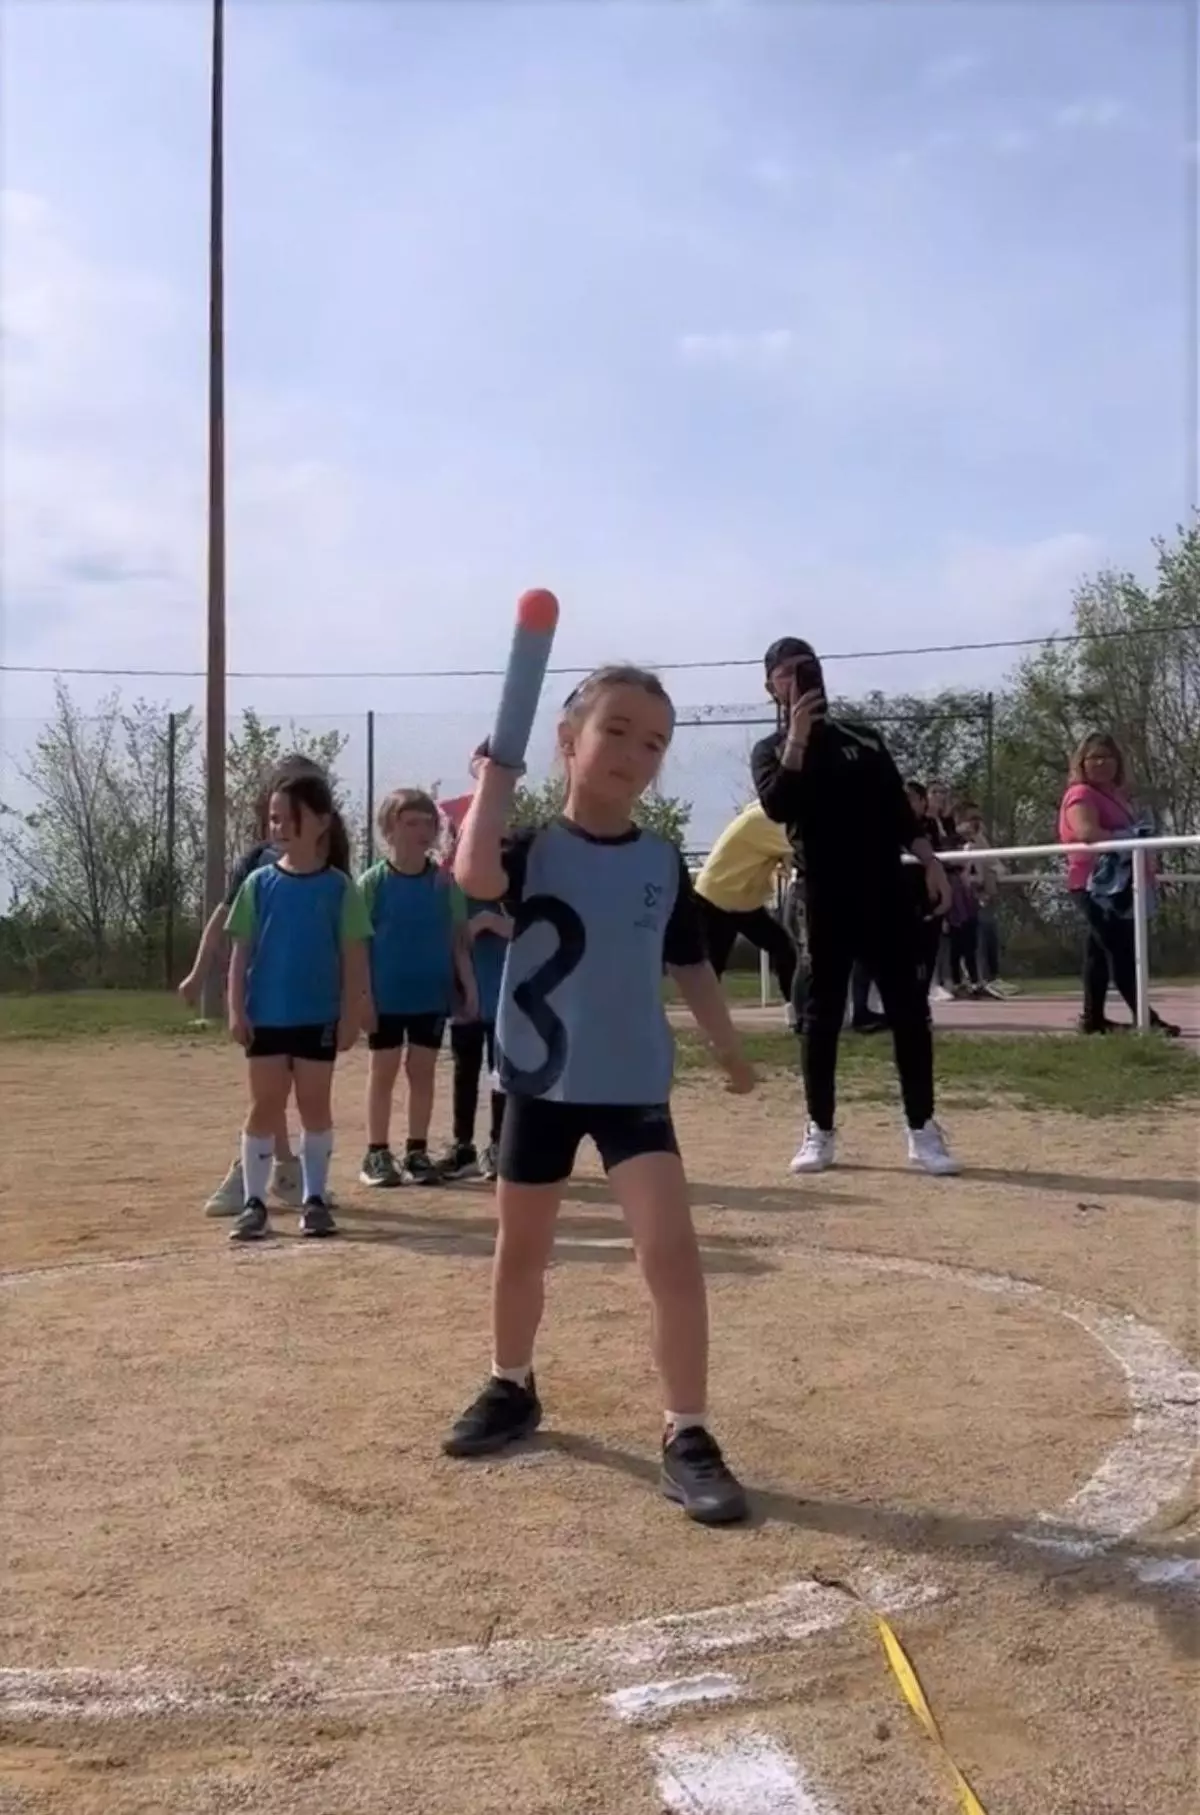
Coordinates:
<point>1094,808</point>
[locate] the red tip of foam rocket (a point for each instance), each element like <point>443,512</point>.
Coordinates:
<point>537,609</point>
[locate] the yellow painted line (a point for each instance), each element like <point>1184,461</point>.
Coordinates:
<point>910,1687</point>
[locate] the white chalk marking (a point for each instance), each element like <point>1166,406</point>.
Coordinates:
<point>1145,1472</point>
<point>647,1701</point>
<point>743,1773</point>
<point>1167,1572</point>
<point>795,1613</point>
<point>1148,1468</point>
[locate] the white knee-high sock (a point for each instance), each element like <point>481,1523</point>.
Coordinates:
<point>315,1150</point>
<point>258,1152</point>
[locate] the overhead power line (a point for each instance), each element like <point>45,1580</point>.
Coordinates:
<point>483,674</point>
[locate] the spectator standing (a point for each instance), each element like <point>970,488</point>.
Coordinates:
<point>1097,806</point>
<point>734,888</point>
<point>836,789</point>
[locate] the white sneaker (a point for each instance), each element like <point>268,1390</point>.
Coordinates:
<point>939,993</point>
<point>927,1149</point>
<point>285,1183</point>
<point>229,1198</point>
<point>817,1152</point>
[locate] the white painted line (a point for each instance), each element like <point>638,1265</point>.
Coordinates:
<point>648,1701</point>
<point>800,1611</point>
<point>743,1773</point>
<point>1147,1469</point>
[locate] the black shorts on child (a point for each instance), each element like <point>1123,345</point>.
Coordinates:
<point>318,1043</point>
<point>394,1031</point>
<point>540,1139</point>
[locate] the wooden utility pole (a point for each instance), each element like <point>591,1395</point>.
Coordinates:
<point>214,708</point>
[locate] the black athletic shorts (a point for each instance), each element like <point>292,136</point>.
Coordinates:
<point>539,1139</point>
<point>319,1042</point>
<point>414,1030</point>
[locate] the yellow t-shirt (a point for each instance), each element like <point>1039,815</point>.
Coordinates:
<point>740,872</point>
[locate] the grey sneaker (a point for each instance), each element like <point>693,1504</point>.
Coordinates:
<point>285,1183</point>
<point>460,1160</point>
<point>229,1198</point>
<point>380,1170</point>
<point>419,1169</point>
<point>489,1161</point>
<point>316,1218</point>
<point>253,1224</point>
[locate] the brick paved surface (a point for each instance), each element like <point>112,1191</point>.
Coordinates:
<point>1024,1014</point>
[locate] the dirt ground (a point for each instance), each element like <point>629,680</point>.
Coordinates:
<point>221,1471</point>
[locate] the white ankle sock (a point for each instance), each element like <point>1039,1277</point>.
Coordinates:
<point>683,1421</point>
<point>518,1376</point>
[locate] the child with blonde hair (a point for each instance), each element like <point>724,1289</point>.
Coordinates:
<point>600,906</point>
<point>418,956</point>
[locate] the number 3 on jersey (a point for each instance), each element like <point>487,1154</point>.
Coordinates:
<point>531,996</point>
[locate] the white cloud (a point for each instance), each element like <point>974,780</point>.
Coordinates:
<point>1091,113</point>
<point>763,347</point>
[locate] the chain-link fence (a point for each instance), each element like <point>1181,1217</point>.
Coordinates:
<point>102,823</point>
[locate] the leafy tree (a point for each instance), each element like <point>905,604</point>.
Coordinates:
<point>253,751</point>
<point>538,804</point>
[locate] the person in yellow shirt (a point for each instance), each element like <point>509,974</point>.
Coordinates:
<point>734,887</point>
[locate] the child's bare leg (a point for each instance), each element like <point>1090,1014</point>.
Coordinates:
<point>652,1192</point>
<point>270,1084</point>
<point>653,1195</point>
<point>382,1071</point>
<point>420,1065</point>
<point>527,1215</point>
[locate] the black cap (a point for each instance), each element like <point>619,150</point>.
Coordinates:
<point>787,649</point>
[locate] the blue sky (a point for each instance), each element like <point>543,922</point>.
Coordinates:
<point>864,320</point>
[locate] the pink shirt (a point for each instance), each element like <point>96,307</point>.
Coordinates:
<point>1114,814</point>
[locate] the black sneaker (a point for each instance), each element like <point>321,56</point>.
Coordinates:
<point>379,1168</point>
<point>489,1162</point>
<point>316,1218</point>
<point>504,1413</point>
<point>696,1476</point>
<point>460,1160</point>
<point>252,1224</point>
<point>419,1169</point>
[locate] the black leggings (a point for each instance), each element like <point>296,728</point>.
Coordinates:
<point>887,941</point>
<point>964,952</point>
<point>1107,957</point>
<point>469,1040</point>
<point>722,926</point>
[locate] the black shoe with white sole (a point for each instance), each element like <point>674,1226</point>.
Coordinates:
<point>504,1413</point>
<point>696,1476</point>
<point>253,1224</point>
<point>316,1218</point>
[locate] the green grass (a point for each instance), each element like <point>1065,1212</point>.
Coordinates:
<point>1115,1076</point>
<point>99,1014</point>
<point>1121,1075</point>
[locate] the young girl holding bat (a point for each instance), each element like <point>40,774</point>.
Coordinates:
<point>585,1050</point>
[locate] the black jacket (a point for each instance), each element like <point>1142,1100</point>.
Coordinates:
<point>845,810</point>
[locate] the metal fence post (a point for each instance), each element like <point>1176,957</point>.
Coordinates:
<point>169,905</point>
<point>1141,942</point>
<point>369,826</point>
<point>989,803</point>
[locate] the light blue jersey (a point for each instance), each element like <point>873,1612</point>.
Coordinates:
<point>582,1017</point>
<point>296,927</point>
<point>412,939</point>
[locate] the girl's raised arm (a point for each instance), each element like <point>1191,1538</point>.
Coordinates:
<point>478,865</point>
